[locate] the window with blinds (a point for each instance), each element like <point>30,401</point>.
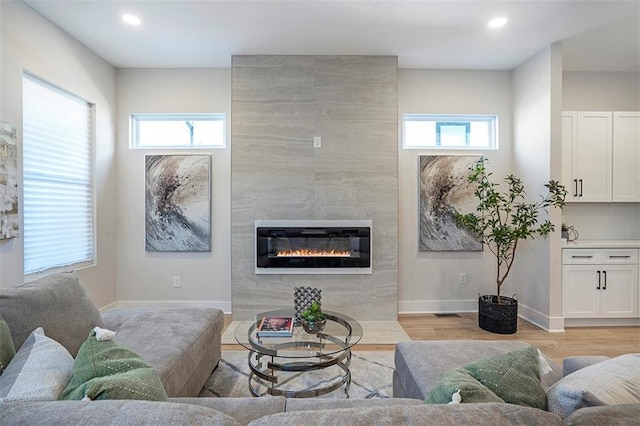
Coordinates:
<point>57,178</point>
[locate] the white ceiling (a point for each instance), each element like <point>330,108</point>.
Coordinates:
<point>597,35</point>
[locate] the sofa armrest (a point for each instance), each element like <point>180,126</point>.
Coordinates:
<point>572,364</point>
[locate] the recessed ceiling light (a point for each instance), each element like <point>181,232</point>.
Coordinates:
<point>497,22</point>
<point>131,20</point>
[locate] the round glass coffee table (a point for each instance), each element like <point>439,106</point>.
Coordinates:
<point>302,365</point>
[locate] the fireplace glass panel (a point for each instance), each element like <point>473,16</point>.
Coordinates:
<point>304,247</point>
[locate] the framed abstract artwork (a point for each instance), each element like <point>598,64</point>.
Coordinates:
<point>178,203</point>
<point>443,193</point>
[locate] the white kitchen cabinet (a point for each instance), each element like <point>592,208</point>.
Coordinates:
<point>601,156</point>
<point>588,150</point>
<point>626,157</point>
<point>600,283</point>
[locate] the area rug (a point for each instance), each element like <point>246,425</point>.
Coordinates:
<point>371,377</point>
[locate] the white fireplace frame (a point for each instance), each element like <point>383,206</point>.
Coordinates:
<point>312,223</point>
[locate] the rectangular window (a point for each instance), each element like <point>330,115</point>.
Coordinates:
<point>178,131</point>
<point>57,177</point>
<point>425,131</point>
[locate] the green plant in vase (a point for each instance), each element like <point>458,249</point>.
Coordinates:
<point>313,319</point>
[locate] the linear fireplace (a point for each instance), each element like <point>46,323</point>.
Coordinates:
<point>313,247</point>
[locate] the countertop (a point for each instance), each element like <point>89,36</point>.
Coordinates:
<point>602,244</point>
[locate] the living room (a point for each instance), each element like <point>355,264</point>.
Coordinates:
<point>125,275</point>
<point>369,176</point>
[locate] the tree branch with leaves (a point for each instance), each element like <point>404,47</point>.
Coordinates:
<point>503,218</point>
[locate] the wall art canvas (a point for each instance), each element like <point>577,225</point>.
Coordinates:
<point>443,192</point>
<point>8,181</point>
<point>178,203</point>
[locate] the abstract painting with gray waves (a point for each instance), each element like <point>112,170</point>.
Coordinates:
<point>443,193</point>
<point>178,203</point>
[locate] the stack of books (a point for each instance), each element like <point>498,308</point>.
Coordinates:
<point>275,327</point>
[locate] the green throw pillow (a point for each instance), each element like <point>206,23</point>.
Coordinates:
<point>7,350</point>
<point>107,370</point>
<point>513,376</point>
<point>460,379</point>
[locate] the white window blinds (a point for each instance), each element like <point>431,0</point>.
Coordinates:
<point>57,177</point>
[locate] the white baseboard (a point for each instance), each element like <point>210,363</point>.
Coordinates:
<point>551,324</point>
<point>224,306</point>
<point>602,322</point>
<point>537,318</point>
<point>437,306</point>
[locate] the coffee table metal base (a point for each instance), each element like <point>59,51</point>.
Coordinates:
<point>266,371</point>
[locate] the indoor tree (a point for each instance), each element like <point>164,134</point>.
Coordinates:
<point>503,218</point>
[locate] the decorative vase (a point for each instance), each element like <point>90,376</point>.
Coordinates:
<point>303,297</point>
<point>500,318</point>
<point>313,327</point>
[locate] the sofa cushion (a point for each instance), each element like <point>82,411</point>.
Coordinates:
<point>571,364</point>
<point>419,365</point>
<point>238,407</point>
<point>621,415</point>
<point>39,371</point>
<point>441,415</point>
<point>614,381</point>
<point>107,370</point>
<point>7,350</point>
<point>459,379</point>
<point>116,412</point>
<point>194,333</point>
<point>513,376</point>
<point>57,303</point>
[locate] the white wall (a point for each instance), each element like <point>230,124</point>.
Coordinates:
<point>600,91</point>
<point>31,43</point>
<point>145,278</point>
<point>536,111</point>
<point>428,281</point>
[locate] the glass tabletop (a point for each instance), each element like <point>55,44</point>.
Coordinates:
<point>340,333</point>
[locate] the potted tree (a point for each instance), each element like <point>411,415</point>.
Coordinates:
<point>501,220</point>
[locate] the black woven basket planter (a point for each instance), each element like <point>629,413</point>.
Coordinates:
<point>500,318</point>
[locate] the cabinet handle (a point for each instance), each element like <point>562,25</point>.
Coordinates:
<point>575,187</point>
<point>580,187</point>
<point>619,257</point>
<point>604,273</point>
<point>599,276</point>
<point>581,257</point>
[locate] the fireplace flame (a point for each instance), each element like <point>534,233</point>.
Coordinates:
<point>313,253</point>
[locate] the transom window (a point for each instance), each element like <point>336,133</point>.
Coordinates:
<point>449,131</point>
<point>178,131</point>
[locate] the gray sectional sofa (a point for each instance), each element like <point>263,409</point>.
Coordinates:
<point>183,346</point>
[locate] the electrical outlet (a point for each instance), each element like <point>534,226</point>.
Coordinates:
<point>176,282</point>
<point>463,278</point>
<point>317,142</point>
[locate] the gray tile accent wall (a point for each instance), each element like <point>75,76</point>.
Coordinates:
<point>279,103</point>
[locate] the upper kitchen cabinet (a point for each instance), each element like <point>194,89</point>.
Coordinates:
<point>601,156</point>
<point>626,156</point>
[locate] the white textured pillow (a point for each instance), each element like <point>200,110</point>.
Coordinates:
<point>39,371</point>
<point>608,382</point>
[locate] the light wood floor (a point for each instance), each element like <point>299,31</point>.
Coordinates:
<point>610,341</point>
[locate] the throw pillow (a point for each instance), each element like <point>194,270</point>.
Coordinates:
<point>459,379</point>
<point>107,370</point>
<point>611,382</point>
<point>513,376</point>
<point>39,371</point>
<point>7,350</point>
